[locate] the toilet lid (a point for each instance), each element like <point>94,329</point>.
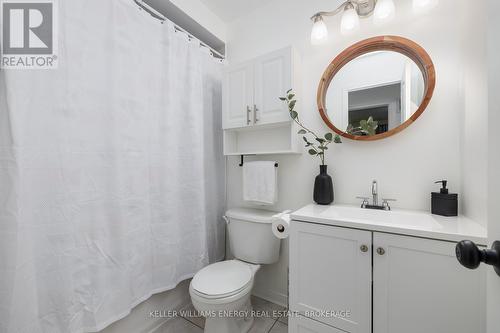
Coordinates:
<point>222,279</point>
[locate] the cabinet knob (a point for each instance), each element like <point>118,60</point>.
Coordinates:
<point>470,256</point>
<point>364,248</point>
<point>380,251</point>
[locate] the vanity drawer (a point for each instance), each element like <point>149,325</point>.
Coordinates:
<point>299,324</point>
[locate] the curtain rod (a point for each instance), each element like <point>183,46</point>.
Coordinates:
<point>156,14</point>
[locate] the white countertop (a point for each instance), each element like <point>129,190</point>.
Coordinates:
<point>404,222</point>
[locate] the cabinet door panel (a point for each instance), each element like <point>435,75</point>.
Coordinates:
<point>273,77</point>
<point>418,286</point>
<point>238,96</point>
<point>329,272</point>
<point>299,324</point>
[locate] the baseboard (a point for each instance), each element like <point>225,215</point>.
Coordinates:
<point>272,296</point>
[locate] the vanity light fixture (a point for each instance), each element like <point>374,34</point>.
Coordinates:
<point>352,10</point>
<point>319,33</point>
<point>385,10</point>
<point>350,19</point>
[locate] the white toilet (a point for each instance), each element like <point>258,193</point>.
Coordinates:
<point>221,291</point>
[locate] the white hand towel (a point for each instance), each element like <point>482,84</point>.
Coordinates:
<point>260,182</point>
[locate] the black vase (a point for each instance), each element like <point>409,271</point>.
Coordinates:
<point>323,187</point>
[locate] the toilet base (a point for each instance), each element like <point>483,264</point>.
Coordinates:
<point>232,317</point>
<point>231,314</point>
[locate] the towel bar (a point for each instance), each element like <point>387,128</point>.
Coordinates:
<point>242,162</point>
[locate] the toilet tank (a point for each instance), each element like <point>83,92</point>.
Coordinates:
<point>250,235</point>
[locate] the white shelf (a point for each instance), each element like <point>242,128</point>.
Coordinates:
<point>280,138</point>
<point>277,152</point>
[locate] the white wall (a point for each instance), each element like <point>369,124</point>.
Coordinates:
<point>494,159</point>
<point>475,120</point>
<point>407,164</point>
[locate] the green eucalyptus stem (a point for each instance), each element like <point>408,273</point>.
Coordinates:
<point>320,154</point>
<point>297,120</point>
<point>319,148</point>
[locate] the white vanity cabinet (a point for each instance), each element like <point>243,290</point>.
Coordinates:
<point>399,283</point>
<point>418,286</point>
<point>316,282</point>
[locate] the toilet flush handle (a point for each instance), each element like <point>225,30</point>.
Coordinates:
<point>225,219</point>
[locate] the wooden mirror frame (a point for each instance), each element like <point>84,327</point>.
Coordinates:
<point>382,43</point>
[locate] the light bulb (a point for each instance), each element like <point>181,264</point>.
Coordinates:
<point>319,33</point>
<point>423,5</point>
<point>350,20</point>
<point>384,11</point>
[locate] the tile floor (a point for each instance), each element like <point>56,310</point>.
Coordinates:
<point>194,324</point>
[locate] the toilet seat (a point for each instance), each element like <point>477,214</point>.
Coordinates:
<point>222,280</point>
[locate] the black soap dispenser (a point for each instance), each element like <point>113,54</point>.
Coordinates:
<point>444,203</point>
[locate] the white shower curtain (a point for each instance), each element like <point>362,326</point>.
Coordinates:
<point>111,170</point>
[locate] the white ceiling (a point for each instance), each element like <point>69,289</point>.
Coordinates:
<point>229,10</point>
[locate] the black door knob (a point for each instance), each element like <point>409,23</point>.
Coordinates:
<point>470,256</point>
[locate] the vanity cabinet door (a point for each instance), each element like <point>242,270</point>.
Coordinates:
<point>273,77</point>
<point>419,287</point>
<point>299,324</point>
<point>238,96</point>
<point>331,271</point>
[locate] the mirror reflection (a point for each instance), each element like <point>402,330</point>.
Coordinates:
<point>374,93</point>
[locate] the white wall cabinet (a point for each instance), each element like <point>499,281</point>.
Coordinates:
<point>255,121</point>
<point>251,90</point>
<point>417,284</point>
<point>273,77</point>
<point>238,96</point>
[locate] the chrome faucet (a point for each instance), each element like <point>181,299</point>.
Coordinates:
<point>385,202</point>
<point>375,193</point>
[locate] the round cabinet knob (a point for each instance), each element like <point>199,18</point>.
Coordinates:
<point>380,251</point>
<point>364,248</point>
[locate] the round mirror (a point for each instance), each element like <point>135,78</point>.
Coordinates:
<point>376,88</point>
